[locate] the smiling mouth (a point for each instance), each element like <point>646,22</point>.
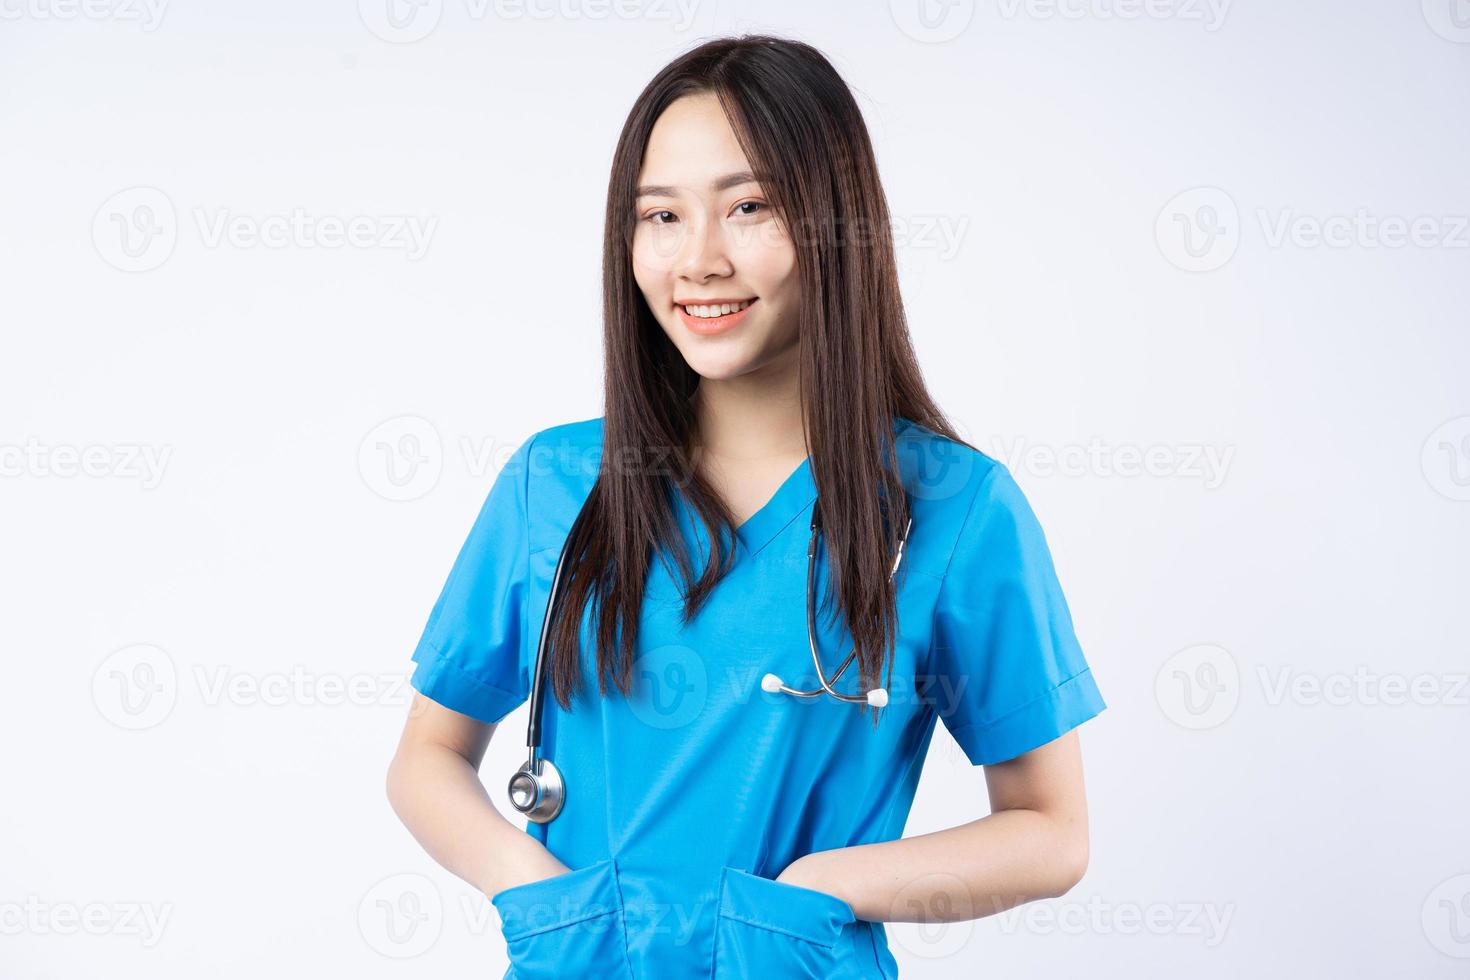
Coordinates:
<point>708,320</point>
<point>710,311</point>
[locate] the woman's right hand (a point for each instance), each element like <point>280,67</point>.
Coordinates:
<point>526,865</point>
<point>435,788</point>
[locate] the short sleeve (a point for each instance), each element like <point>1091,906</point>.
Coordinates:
<point>1011,674</point>
<point>469,657</point>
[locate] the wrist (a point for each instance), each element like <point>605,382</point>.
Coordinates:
<point>814,871</point>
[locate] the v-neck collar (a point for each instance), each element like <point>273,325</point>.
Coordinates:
<point>792,498</point>
<point>794,495</point>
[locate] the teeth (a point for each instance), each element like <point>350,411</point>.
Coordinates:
<point>721,310</point>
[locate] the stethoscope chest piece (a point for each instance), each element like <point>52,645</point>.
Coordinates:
<point>536,790</point>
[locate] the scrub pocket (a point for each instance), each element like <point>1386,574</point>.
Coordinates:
<point>767,928</point>
<point>570,924</point>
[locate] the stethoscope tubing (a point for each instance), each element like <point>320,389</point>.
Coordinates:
<point>537,788</point>
<point>811,625</point>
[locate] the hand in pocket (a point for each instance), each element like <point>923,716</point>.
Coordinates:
<point>774,929</point>
<point>546,868</point>
<point>570,924</point>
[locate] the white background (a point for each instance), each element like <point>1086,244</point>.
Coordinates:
<point>205,655</point>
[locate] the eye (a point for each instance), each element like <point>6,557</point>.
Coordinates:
<point>749,204</point>
<point>653,217</point>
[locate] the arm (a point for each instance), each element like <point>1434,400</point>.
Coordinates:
<point>434,787</point>
<point>1032,845</point>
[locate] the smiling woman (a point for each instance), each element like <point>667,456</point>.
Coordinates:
<point>695,822</point>
<point>688,220</point>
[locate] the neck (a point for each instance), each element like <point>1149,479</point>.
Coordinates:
<point>755,416</point>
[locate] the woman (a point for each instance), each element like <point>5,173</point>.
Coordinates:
<point>711,823</point>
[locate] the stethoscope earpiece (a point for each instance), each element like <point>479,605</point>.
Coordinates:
<point>877,697</point>
<point>771,684</point>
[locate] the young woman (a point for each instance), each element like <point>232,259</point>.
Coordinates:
<point>695,816</point>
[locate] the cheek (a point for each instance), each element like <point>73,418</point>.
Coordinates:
<point>646,279</point>
<point>769,265</point>
<point>656,291</point>
<point>653,253</point>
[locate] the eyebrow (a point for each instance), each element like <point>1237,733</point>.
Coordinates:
<point>718,184</point>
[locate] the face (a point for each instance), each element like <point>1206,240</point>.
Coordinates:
<point>707,235</point>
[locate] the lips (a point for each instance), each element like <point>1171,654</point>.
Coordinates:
<point>708,326</point>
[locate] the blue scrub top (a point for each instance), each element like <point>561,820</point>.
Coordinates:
<point>685,800</point>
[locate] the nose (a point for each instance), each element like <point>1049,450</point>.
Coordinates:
<point>704,252</point>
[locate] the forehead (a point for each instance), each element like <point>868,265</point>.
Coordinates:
<point>691,144</point>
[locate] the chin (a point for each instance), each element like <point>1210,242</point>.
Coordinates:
<point>718,368</point>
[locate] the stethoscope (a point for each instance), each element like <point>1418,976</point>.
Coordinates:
<point>877,697</point>
<point>537,789</point>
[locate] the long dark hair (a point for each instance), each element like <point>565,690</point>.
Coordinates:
<point>796,121</point>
